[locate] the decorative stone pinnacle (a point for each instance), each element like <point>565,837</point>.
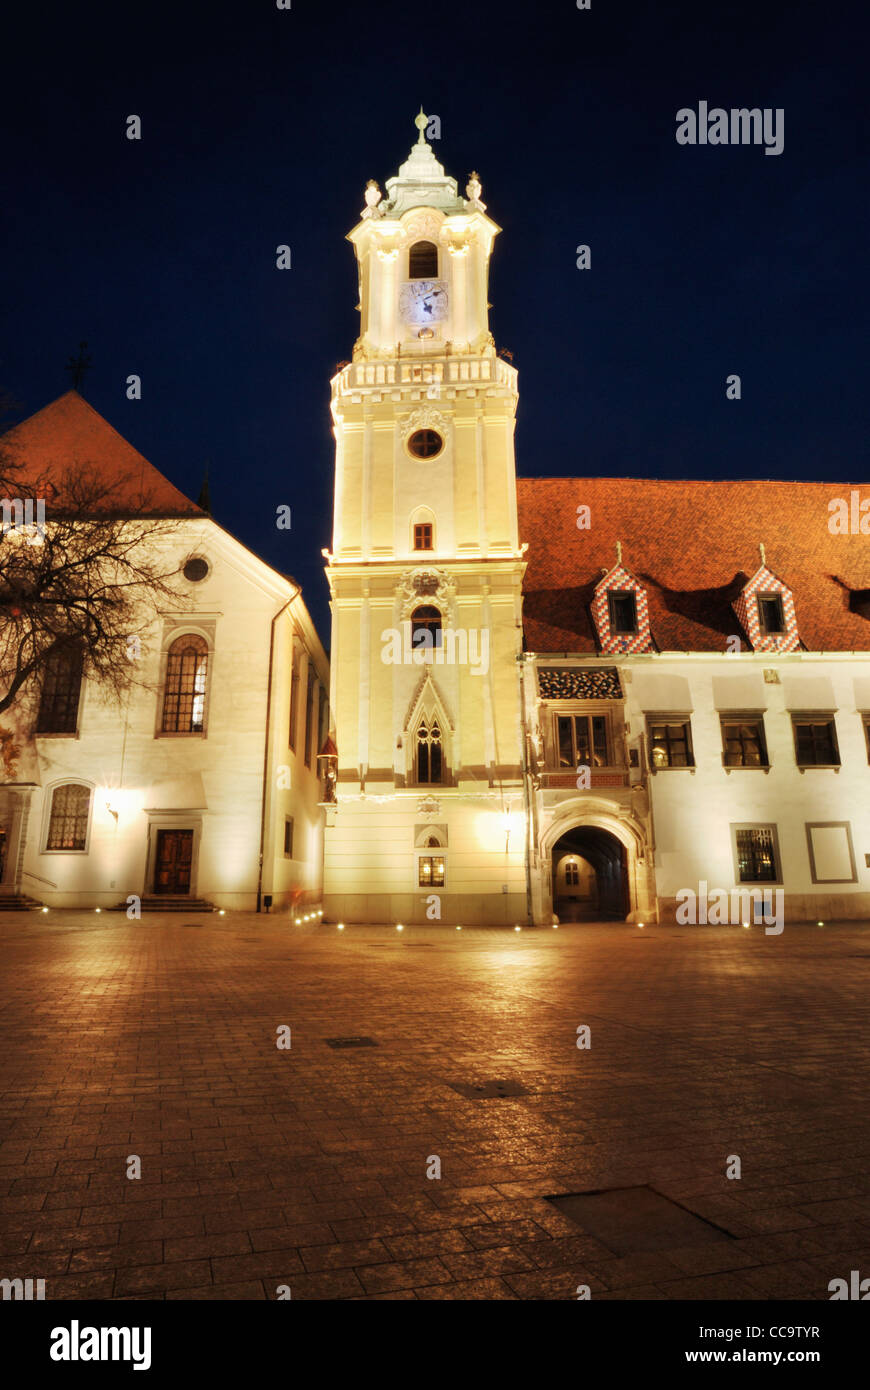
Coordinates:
<point>421,121</point>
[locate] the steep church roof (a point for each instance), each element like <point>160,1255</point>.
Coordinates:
<point>69,432</point>
<point>693,545</point>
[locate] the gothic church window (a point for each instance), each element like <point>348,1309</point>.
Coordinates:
<point>429,752</point>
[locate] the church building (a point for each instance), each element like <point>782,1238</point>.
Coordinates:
<point>574,697</point>
<point>202,786</point>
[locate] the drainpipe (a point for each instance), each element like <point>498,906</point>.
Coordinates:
<point>266,745</point>
<point>526,797</point>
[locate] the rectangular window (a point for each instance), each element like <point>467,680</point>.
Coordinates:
<point>670,743</point>
<point>430,872</point>
<point>309,718</point>
<point>770,613</point>
<point>59,697</point>
<point>756,854</point>
<point>815,741</point>
<point>288,838</point>
<point>582,738</point>
<point>623,611</point>
<point>572,875</point>
<point>743,742</point>
<point>423,536</point>
<point>294,704</point>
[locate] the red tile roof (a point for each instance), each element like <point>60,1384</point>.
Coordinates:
<point>693,545</point>
<point>70,432</point>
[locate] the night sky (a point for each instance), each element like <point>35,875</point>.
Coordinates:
<point>261,127</point>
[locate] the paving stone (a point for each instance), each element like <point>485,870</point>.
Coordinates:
<point>699,1053</point>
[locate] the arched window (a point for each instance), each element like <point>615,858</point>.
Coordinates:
<point>186,682</point>
<point>68,820</point>
<point>429,751</point>
<point>425,628</point>
<point>423,261</point>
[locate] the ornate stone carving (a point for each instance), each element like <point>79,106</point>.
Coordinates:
<point>425,418</point>
<point>423,224</point>
<point>422,583</point>
<point>428,806</point>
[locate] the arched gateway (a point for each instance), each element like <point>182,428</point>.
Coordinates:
<point>594,866</point>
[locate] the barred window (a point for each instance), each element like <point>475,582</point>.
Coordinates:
<point>59,697</point>
<point>186,677</point>
<point>68,822</point>
<point>756,854</point>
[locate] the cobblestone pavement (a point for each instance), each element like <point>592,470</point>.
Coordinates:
<point>307,1167</point>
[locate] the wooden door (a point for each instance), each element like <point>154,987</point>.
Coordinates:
<point>173,863</point>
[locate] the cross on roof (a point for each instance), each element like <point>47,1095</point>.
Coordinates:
<point>78,366</point>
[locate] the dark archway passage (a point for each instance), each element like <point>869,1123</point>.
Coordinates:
<point>608,858</point>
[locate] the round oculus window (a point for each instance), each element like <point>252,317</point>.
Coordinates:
<point>195,569</point>
<point>425,444</point>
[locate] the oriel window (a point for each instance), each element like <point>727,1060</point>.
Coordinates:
<point>582,739</point>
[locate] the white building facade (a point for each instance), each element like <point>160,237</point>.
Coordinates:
<point>569,698</point>
<point>203,786</point>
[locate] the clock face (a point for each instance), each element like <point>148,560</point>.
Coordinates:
<point>423,301</point>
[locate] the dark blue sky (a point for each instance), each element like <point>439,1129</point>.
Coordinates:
<point>262,126</point>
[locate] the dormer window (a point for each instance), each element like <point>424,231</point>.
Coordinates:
<point>771,617</point>
<point>622,607</point>
<point>423,261</point>
<point>620,612</point>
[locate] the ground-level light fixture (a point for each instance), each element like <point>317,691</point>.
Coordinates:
<point>341,926</point>
<point>399,927</point>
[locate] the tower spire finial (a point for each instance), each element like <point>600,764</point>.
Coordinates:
<point>762,553</point>
<point>619,552</point>
<point>421,121</point>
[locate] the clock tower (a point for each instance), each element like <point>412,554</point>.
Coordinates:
<point>428,821</point>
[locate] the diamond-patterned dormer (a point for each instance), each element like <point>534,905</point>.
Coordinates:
<point>765,609</point>
<point>621,613</point>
